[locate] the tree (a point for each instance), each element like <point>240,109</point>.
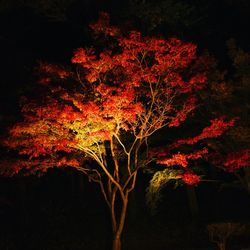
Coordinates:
<point>220,232</point>
<point>234,155</point>
<point>170,13</point>
<point>99,118</point>
<point>227,93</point>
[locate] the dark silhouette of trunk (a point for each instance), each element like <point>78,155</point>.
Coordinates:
<point>192,202</point>
<point>22,193</point>
<point>247,179</point>
<point>222,245</point>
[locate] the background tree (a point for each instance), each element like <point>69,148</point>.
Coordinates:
<point>171,14</point>
<point>99,118</point>
<point>234,89</point>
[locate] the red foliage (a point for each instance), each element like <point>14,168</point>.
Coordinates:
<point>139,87</point>
<point>190,178</point>
<point>39,166</point>
<point>182,114</point>
<point>237,160</point>
<point>102,26</point>
<point>217,127</point>
<point>181,159</point>
<point>53,70</point>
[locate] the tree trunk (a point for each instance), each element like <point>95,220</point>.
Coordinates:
<point>22,196</point>
<point>192,200</point>
<point>222,245</point>
<point>247,179</point>
<point>118,224</point>
<point>117,243</point>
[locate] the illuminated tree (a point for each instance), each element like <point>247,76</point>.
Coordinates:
<point>99,118</point>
